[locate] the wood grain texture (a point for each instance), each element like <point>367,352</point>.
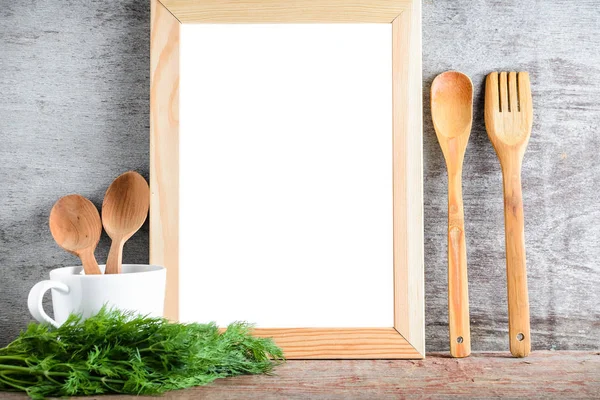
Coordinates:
<point>544,375</point>
<point>76,227</point>
<point>508,121</point>
<point>560,47</point>
<point>325,343</point>
<point>285,11</point>
<point>408,194</point>
<point>408,176</point>
<point>75,115</point>
<point>164,150</point>
<point>124,211</point>
<point>452,116</point>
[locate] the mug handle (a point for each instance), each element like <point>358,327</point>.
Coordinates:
<point>36,295</point>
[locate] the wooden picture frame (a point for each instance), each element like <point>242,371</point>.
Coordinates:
<point>406,338</point>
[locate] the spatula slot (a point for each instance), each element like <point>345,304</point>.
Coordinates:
<point>499,91</point>
<point>518,96</point>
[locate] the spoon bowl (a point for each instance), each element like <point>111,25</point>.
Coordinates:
<point>76,227</point>
<point>452,104</point>
<point>124,210</point>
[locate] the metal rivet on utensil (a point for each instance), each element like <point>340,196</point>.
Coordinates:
<point>459,339</point>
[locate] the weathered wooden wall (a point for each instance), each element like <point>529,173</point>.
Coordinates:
<point>558,42</point>
<point>74,106</point>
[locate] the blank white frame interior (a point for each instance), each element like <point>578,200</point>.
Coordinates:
<point>286,175</point>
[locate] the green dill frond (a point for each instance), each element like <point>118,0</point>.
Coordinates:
<point>121,352</point>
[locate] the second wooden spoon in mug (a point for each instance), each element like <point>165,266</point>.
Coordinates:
<point>452,114</point>
<point>124,210</point>
<point>76,227</point>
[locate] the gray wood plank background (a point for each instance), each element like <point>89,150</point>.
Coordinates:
<point>74,85</point>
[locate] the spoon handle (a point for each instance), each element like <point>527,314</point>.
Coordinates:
<point>458,291</point>
<point>88,260</point>
<point>115,256</point>
<point>516,273</point>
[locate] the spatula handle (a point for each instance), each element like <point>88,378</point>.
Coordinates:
<point>458,291</point>
<point>516,273</point>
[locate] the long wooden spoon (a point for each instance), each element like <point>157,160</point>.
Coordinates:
<point>452,114</point>
<point>508,120</point>
<point>76,227</point>
<point>124,210</point>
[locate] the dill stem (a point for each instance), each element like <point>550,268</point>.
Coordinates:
<point>5,373</point>
<point>12,358</point>
<point>108,386</point>
<point>52,379</point>
<point>21,369</point>
<point>7,382</point>
<point>50,373</point>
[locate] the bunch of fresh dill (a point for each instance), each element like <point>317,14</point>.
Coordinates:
<point>119,352</point>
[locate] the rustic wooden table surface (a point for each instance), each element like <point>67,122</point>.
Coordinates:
<point>565,375</point>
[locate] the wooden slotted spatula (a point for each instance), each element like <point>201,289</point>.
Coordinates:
<point>452,115</point>
<point>508,120</point>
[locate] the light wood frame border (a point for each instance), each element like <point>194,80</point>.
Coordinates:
<point>406,339</point>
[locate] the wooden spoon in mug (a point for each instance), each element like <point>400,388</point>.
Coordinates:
<point>124,210</point>
<point>76,227</point>
<point>452,114</point>
<point>508,120</point>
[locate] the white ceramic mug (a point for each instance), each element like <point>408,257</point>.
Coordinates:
<point>139,288</point>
